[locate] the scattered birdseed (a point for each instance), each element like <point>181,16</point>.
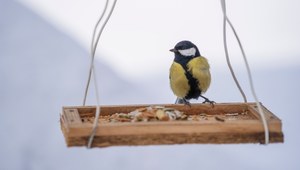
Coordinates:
<point>218,118</point>
<point>161,113</point>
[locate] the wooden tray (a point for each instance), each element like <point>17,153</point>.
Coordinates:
<point>219,129</point>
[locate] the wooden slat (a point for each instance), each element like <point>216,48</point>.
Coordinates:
<point>72,116</point>
<point>162,139</point>
<point>171,132</point>
<point>274,123</point>
<point>194,109</point>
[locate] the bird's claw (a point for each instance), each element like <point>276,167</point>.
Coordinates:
<point>183,101</point>
<point>187,103</point>
<point>210,102</point>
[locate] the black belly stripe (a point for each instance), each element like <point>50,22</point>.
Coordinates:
<point>194,91</point>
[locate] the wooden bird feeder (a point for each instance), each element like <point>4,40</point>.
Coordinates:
<point>222,124</point>
<point>201,123</point>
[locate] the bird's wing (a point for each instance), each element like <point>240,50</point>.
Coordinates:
<point>199,68</point>
<point>178,81</point>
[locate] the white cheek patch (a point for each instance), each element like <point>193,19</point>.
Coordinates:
<point>188,52</point>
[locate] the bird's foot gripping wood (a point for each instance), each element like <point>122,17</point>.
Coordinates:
<point>206,100</point>
<point>209,101</point>
<point>183,101</point>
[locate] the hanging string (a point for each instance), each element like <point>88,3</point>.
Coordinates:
<point>92,56</point>
<point>227,55</point>
<point>92,67</point>
<point>260,110</point>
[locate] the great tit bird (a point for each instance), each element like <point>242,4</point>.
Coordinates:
<point>189,73</point>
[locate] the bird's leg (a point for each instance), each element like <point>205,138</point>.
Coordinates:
<point>182,101</point>
<point>186,102</point>
<point>206,100</point>
<point>178,100</point>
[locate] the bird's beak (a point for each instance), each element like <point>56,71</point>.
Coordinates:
<point>174,50</point>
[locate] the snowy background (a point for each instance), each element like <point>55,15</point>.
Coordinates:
<point>44,58</point>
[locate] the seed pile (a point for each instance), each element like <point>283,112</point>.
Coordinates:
<point>145,114</point>
<point>161,113</point>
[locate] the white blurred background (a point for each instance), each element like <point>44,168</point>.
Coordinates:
<point>140,32</point>
<point>44,59</point>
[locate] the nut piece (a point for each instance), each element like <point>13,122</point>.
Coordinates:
<point>183,117</point>
<point>160,114</point>
<point>218,118</point>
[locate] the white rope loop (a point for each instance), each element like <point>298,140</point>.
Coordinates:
<point>260,110</point>
<point>227,54</point>
<point>92,67</point>
<point>92,56</point>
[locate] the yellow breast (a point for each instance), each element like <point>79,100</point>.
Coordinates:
<point>178,81</point>
<point>199,68</point>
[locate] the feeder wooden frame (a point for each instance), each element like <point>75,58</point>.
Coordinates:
<point>77,132</point>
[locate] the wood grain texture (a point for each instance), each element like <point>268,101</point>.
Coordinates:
<point>76,132</point>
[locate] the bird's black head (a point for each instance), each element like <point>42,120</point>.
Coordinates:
<point>185,49</point>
